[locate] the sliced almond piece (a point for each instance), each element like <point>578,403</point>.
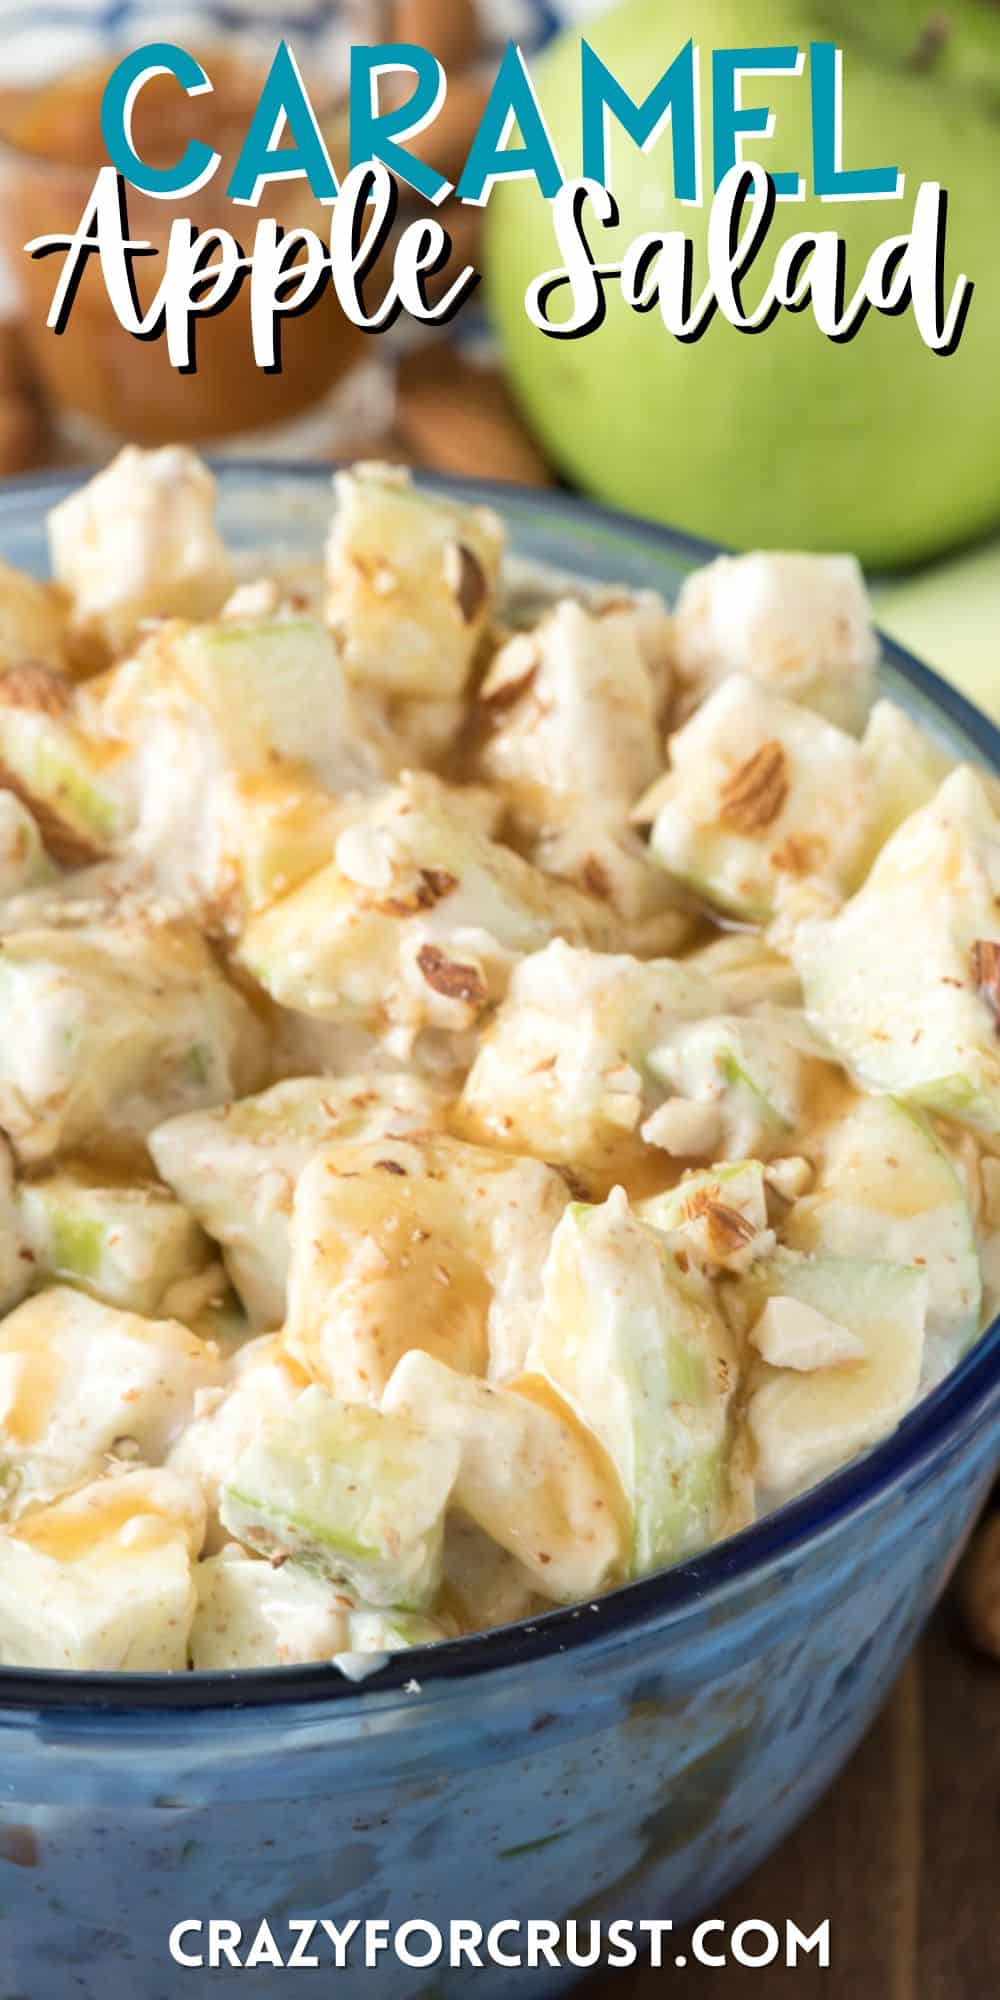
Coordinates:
<point>451,29</point>
<point>756,791</point>
<point>459,417</point>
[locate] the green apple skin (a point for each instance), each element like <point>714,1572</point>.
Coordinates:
<point>950,616</point>
<point>783,439</point>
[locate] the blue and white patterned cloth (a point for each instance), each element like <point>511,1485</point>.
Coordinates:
<point>50,35</point>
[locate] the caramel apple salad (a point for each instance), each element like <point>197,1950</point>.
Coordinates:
<point>500,1079</point>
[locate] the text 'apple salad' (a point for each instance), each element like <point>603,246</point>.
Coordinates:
<point>499,1087</point>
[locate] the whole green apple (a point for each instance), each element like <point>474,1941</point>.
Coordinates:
<point>783,439</point>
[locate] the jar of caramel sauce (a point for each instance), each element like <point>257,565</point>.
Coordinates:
<point>106,385</point>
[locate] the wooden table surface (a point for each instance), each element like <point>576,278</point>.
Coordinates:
<point>903,1856</point>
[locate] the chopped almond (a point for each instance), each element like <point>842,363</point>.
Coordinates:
<point>685,1128</point>
<point>790,1334</point>
<point>447,976</point>
<point>790,1177</point>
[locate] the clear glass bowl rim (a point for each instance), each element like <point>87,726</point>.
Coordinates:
<point>668,1597</point>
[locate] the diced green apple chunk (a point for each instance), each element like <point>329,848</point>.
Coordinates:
<point>32,620</point>
<point>806,1424</point>
<point>418,920</point>
<point>484,1585</point>
<point>236,1168</point>
<point>527,1474</point>
<point>640,1353</point>
<point>78,1379</point>
<point>239,735</point>
<point>260,691</point>
<point>138,541</point>
<point>250,1614</point>
<point>115,1026</point>
<point>563,1072</point>
<point>100,1581</point>
<point>416,1243</point>
<point>572,734</point>
<point>270,690</point>
<point>800,623</point>
<point>72,780</point>
<point>902,981</point>
<point>125,1244</point>
<point>719,1214</point>
<point>575,731</point>
<point>392,1631</point>
<point>906,765</point>
<point>263,1383</point>
<point>747,1070</point>
<point>746,971</point>
<point>271,832</point>
<point>886,1188</point>
<point>411,582</point>
<point>351,1494</point>
<point>761,794</point>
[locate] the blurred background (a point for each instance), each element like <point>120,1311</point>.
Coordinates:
<point>878,447</point>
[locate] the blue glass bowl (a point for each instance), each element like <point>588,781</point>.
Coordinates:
<point>630,1758</point>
